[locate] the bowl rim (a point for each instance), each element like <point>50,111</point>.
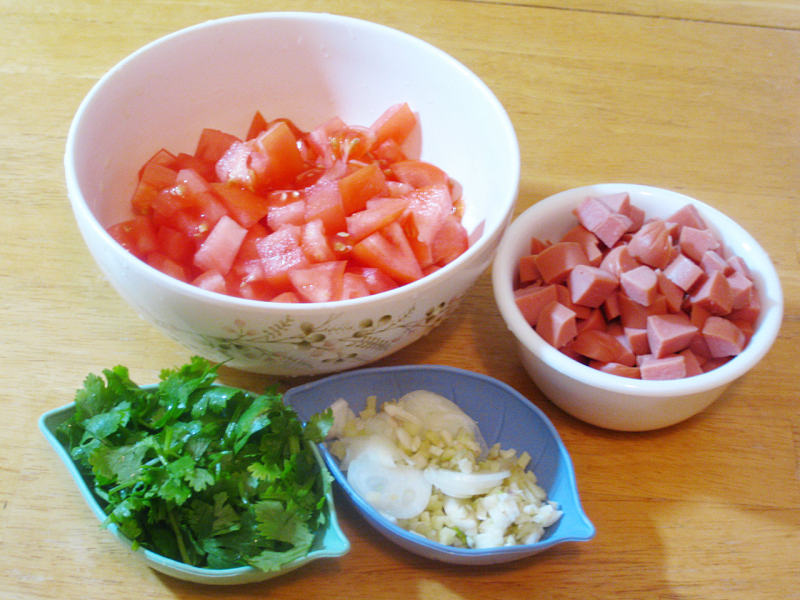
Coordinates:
<point>584,530</point>
<point>503,270</point>
<point>86,215</point>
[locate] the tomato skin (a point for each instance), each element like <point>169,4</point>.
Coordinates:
<point>212,281</point>
<point>315,244</point>
<point>418,173</point>
<point>380,214</point>
<point>257,125</point>
<point>283,159</point>
<point>324,201</point>
<point>166,265</point>
<point>154,177</point>
<point>175,245</point>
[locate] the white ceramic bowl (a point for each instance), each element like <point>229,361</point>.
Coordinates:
<point>612,401</point>
<point>307,67</point>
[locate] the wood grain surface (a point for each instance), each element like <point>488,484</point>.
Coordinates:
<point>702,97</point>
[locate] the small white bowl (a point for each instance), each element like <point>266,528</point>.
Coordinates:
<point>502,414</point>
<point>307,67</point>
<point>612,401</point>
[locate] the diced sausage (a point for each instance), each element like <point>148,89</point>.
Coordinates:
<point>687,215</point>
<point>669,334</point>
<point>532,299</point>
<point>588,241</point>
<point>640,284</point>
<point>618,260</point>
<point>632,314</point>
<point>711,261</point>
<point>565,298</point>
<point>715,294</point>
<point>696,242</point>
<point>651,245</point>
<point>683,272</point>
<point>557,260</point>
<point>598,345</point>
<point>616,369</point>
<point>593,321</point>
<point>590,286</point>
<point>723,337</point>
<point>673,295</point>
<point>741,289</point>
<point>670,367</point>
<point>693,363</point>
<point>637,340</point>
<point>557,324</point>
<point>528,271</point>
<point>598,218</point>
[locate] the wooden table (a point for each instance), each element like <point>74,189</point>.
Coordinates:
<point>699,96</point>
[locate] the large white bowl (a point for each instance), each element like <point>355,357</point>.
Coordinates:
<point>612,401</point>
<point>307,67</point>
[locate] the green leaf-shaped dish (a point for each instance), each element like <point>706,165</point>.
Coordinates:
<point>329,541</point>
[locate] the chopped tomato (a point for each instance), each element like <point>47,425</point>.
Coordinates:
<point>281,252</point>
<point>320,282</point>
<point>361,185</point>
<point>246,207</point>
<point>389,251</point>
<point>137,236</point>
<point>395,123</point>
<point>221,246</point>
<point>212,144</point>
<point>285,215</point>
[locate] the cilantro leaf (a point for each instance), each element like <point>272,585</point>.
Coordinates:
<point>211,475</point>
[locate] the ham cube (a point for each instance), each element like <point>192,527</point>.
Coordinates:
<point>696,242</point>
<point>723,337</point>
<point>712,261</point>
<point>590,286</point>
<point>669,334</point>
<point>651,245</point>
<point>687,216</point>
<point>532,299</point>
<point>618,260</point>
<point>640,285</point>
<point>600,346</point>
<point>588,241</point>
<point>616,369</point>
<point>670,367</point>
<point>557,324</point>
<point>683,272</point>
<point>528,271</point>
<point>715,294</point>
<point>556,261</point>
<point>607,225</point>
<point>741,289</point>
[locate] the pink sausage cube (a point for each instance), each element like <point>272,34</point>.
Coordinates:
<point>532,299</point>
<point>618,260</point>
<point>683,272</point>
<point>712,261</point>
<point>651,245</point>
<point>593,321</point>
<point>557,324</point>
<point>556,261</point>
<point>668,334</point>
<point>588,241</point>
<point>737,264</point>
<point>670,367</point>
<point>715,294</point>
<point>528,271</point>
<point>723,337</point>
<point>640,284</point>
<point>599,345</point>
<point>632,314</point>
<point>590,286</point>
<point>694,366</point>
<point>637,340</point>
<point>612,229</point>
<point>696,242</point>
<point>616,369</point>
<point>598,218</point>
<point>687,215</point>
<point>673,294</point>
<point>741,289</point>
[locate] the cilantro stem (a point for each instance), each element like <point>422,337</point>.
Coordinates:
<point>178,538</point>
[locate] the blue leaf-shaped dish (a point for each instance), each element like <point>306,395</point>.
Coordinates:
<point>329,541</point>
<point>503,415</point>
